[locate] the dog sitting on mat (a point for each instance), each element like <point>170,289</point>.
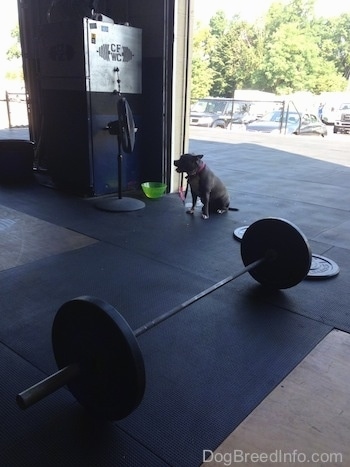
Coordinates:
<point>204,184</point>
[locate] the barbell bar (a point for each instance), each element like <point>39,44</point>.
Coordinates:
<point>97,353</point>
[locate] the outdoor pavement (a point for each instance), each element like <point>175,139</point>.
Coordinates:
<point>14,133</point>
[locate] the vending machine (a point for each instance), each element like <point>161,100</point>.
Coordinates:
<point>84,68</point>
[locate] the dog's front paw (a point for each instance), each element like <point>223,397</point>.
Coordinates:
<point>204,216</point>
<point>190,211</point>
<point>221,211</point>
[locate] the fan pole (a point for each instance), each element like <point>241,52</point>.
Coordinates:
<point>119,128</point>
<point>120,164</point>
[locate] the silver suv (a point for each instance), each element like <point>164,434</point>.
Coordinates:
<point>212,112</point>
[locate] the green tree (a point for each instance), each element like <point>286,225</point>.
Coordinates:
<point>292,62</point>
<point>235,55</point>
<point>293,58</point>
<point>333,38</point>
<point>14,69</point>
<point>289,50</point>
<point>218,29</point>
<point>202,74</point>
<point>218,24</point>
<point>15,51</point>
<point>296,11</point>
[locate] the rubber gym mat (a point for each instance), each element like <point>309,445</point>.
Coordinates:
<point>57,432</point>
<point>207,368</point>
<point>322,300</point>
<point>26,238</point>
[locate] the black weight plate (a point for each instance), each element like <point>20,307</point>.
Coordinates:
<point>322,268</point>
<point>91,333</point>
<point>239,232</point>
<point>289,245</point>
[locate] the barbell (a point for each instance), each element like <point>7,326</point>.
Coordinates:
<point>98,354</point>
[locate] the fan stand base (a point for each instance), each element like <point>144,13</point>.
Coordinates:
<point>115,204</point>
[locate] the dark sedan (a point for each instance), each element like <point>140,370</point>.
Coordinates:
<point>289,123</point>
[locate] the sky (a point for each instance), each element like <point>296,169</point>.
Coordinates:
<point>252,9</point>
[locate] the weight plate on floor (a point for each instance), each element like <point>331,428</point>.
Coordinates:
<point>322,268</point>
<point>286,242</point>
<point>239,232</point>
<point>91,333</point>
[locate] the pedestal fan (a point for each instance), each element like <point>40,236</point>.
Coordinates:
<point>124,128</point>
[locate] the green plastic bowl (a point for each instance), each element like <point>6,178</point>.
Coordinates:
<point>153,189</point>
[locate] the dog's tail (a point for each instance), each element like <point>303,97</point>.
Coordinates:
<point>233,209</point>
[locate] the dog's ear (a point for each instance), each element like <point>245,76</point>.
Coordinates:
<point>197,156</point>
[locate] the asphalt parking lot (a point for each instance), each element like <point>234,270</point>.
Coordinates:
<point>300,178</point>
<point>333,148</point>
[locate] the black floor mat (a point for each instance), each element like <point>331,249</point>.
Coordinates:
<point>207,368</point>
<point>57,432</point>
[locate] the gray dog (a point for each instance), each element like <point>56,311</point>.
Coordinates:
<point>204,184</point>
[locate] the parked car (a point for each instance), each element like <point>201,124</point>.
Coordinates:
<point>342,119</point>
<point>211,112</point>
<point>289,123</point>
<point>242,118</point>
